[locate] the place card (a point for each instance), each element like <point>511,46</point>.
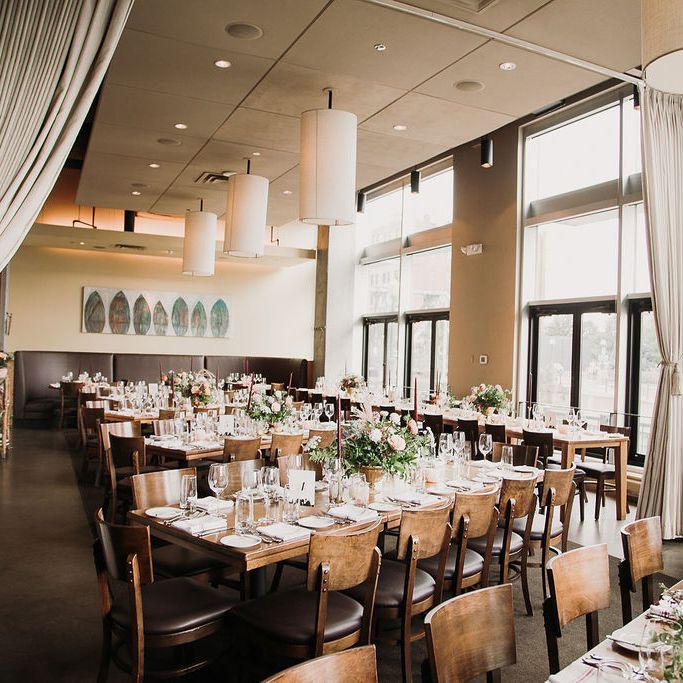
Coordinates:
<point>302,485</point>
<point>226,424</point>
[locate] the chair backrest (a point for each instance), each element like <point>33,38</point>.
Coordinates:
<point>92,418</point>
<point>106,403</point>
<point>642,543</point>
<point>235,450</point>
<point>161,427</point>
<point>471,429</point>
<point>122,449</point>
<point>130,428</point>
<point>479,508</point>
<point>205,410</point>
<point>359,664</point>
<point>167,413</point>
<point>285,463</point>
<point>612,429</point>
<point>544,441</point>
<point>523,492</point>
<point>277,386</point>
<point>349,556</point>
<point>85,396</point>
<point>70,390</point>
<point>428,527</point>
<point>118,541</point>
<point>286,444</point>
<point>158,488</point>
<point>326,436</point>
<point>579,583</point>
<point>302,394</point>
<point>471,634</point>
<point>235,470</point>
<point>497,432</point>
<point>521,455</point>
<point>561,481</point>
<point>433,422</point>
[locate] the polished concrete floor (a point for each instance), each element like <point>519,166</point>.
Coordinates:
<point>49,611</point>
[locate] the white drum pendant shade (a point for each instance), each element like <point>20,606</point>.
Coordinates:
<point>245,215</point>
<point>662,44</point>
<point>327,192</point>
<point>199,245</point>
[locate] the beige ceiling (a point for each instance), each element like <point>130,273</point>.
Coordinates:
<point>163,73</point>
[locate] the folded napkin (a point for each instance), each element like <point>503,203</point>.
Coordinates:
<point>352,512</point>
<point>666,610</point>
<point>201,525</point>
<point>209,504</point>
<point>281,531</point>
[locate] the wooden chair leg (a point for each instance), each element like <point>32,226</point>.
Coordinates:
<point>592,630</point>
<point>582,499</point>
<point>550,639</point>
<point>406,665</point>
<point>625,590</point>
<point>525,582</point>
<point>599,496</point>
<point>277,577</point>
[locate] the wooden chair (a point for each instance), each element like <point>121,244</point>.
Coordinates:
<point>434,422</point>
<point>277,386</point>
<point>162,427</point>
<point>302,395</point>
<point>327,436</point>
<point>288,462</point>
<point>471,635</point>
<point>106,403</point>
<point>165,614</point>
<point>235,470</point>
<point>642,543</point>
<point>285,444</point>
<point>207,411</point>
<point>521,455</point>
<point>235,450</point>
<point>579,585</point>
<point>68,403</point>
<point>547,530</point>
<point>91,419</point>
<point>405,591</point>
<point>128,428</point>
<point>83,398</point>
<point>319,618</point>
<point>169,413</point>
<point>358,665</point>
<point>471,430</point>
<point>474,515</point>
<point>497,432</point>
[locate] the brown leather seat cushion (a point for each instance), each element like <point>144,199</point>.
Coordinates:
<point>479,544</point>
<point>474,563</point>
<point>172,560</point>
<point>537,526</point>
<point>392,576</point>
<point>289,616</point>
<point>593,469</point>
<point>174,605</point>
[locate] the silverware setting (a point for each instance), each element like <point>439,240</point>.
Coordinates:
<point>182,515</point>
<point>596,660</point>
<point>267,538</point>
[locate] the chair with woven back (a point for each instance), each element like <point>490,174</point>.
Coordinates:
<point>68,400</point>
<point>318,619</point>
<point>285,444</point>
<point>358,665</point>
<point>471,635</point>
<point>150,614</point>
<point>91,419</point>
<point>642,544</point>
<point>522,456</point>
<point>579,586</point>
<point>473,515</point>
<point>405,591</point>
<point>236,449</point>
<point>471,430</point>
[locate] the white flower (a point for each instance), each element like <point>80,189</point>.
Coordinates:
<point>265,409</point>
<point>275,407</point>
<point>375,435</point>
<point>395,418</point>
<point>278,395</point>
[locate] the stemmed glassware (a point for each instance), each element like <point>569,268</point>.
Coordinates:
<point>445,446</point>
<point>654,655</point>
<point>218,480</point>
<point>271,482</point>
<point>318,411</point>
<point>485,445</point>
<point>506,457</point>
<point>329,411</point>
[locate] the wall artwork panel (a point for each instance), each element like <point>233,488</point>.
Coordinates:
<point>161,314</point>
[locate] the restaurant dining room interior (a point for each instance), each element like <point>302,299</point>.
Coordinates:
<point>341,340</point>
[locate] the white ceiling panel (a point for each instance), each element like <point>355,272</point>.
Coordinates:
<point>261,129</point>
<point>123,106</point>
<point>290,89</point>
<point>436,121</point>
<point>378,149</point>
<point>203,22</point>
<point>342,41</point>
<point>143,60</point>
<point>177,200</point>
<point>536,82</point>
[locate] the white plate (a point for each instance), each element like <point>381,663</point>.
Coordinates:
<point>624,645</point>
<point>525,468</point>
<point>487,479</point>
<point>381,506</point>
<point>460,483</point>
<point>162,513</point>
<point>313,522</point>
<point>246,541</point>
<point>440,489</point>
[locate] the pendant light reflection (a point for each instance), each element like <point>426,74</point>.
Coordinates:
<point>199,243</point>
<point>486,158</point>
<point>360,202</point>
<point>415,182</point>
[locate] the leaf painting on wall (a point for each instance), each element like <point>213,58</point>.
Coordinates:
<point>94,315</point>
<point>180,317</point>
<point>119,314</point>
<point>160,319</point>
<point>219,319</point>
<point>198,320</point>
<point>142,316</point>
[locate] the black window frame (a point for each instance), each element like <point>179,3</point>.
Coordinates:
<point>384,320</point>
<point>411,318</point>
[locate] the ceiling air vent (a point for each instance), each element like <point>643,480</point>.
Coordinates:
<point>213,177</point>
<point>476,6</point>
<point>133,247</point>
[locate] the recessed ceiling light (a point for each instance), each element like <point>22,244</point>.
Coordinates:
<point>400,126</point>
<point>222,63</point>
<point>469,86</point>
<point>180,126</point>
<point>256,154</point>
<point>287,192</point>
<point>244,31</point>
<point>154,165</point>
<point>380,47</point>
<point>82,244</point>
<point>169,252</point>
<point>169,141</point>
<point>507,66</point>
<point>135,193</point>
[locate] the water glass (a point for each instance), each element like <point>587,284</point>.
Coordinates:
<point>459,443</point>
<point>188,492</point>
<point>317,411</point>
<point>359,490</point>
<point>506,457</point>
<point>271,482</point>
<point>485,445</point>
<point>251,481</point>
<point>244,514</point>
<point>290,509</point>
<point>445,446</point>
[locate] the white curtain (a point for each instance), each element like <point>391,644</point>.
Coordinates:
<point>661,492</point>
<point>53,57</point>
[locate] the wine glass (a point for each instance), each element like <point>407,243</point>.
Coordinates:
<point>458,443</point>
<point>506,457</point>
<point>654,654</point>
<point>271,483</point>
<point>251,481</point>
<point>218,480</point>
<point>317,411</point>
<point>485,444</point>
<point>329,411</point>
<point>445,445</point>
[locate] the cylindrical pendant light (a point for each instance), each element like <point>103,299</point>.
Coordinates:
<point>415,182</point>
<point>199,244</point>
<point>360,202</point>
<point>662,44</point>
<point>486,157</point>
<point>328,166</point>
<point>245,215</point>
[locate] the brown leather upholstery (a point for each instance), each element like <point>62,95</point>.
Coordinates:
<point>174,605</point>
<point>274,369</point>
<point>391,585</point>
<point>537,526</point>
<point>592,468</point>
<point>291,615</point>
<point>516,542</point>
<point>172,560</point>
<point>147,366</point>
<point>474,563</point>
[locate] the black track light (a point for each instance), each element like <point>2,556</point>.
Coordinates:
<point>415,182</point>
<point>486,158</point>
<point>636,97</point>
<point>360,202</point>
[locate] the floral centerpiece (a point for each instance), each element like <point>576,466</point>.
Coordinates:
<point>271,409</point>
<point>670,635</point>
<point>5,359</point>
<point>488,397</point>
<point>349,383</point>
<point>197,386</point>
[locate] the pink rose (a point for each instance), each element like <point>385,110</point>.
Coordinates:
<point>195,390</point>
<point>412,427</point>
<point>275,407</point>
<point>289,400</point>
<point>396,442</point>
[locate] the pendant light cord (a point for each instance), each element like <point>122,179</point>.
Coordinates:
<point>248,166</point>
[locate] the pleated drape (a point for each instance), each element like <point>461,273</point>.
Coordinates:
<point>53,57</point>
<point>661,491</point>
